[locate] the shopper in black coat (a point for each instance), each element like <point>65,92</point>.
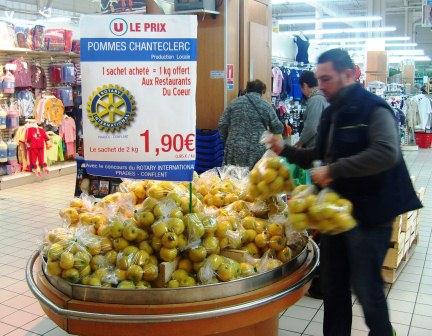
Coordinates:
<point>358,142</point>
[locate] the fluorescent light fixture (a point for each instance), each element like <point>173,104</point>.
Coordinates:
<point>398,45</point>
<point>283,2</point>
<point>364,46</point>
<point>358,39</point>
<point>343,31</point>
<point>411,58</point>
<point>330,20</point>
<point>413,52</point>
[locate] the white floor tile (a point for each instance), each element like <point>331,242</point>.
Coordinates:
<point>421,322</point>
<point>419,332</point>
<point>401,329</point>
<point>309,302</point>
<point>402,306</point>
<point>287,333</point>
<point>314,329</point>
<point>402,295</point>
<point>301,312</point>
<point>400,317</point>
<point>292,324</point>
<point>423,309</point>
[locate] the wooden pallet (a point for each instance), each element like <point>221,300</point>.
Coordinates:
<point>390,275</point>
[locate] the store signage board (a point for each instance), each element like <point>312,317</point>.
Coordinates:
<point>138,87</point>
<point>217,74</point>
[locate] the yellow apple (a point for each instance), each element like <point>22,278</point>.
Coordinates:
<point>168,254</point>
<point>54,268</point>
<point>186,265</point>
<point>130,232</point>
<point>150,272</point>
<point>197,254</point>
<point>120,244</point>
<point>135,273</point>
<point>66,260</point>
<point>145,246</point>
<point>71,275</point>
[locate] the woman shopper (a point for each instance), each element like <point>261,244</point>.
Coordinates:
<point>243,123</point>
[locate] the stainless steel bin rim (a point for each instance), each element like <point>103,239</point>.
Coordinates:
<point>165,318</point>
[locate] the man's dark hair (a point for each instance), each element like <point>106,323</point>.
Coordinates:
<point>256,86</point>
<point>308,78</point>
<point>340,59</point>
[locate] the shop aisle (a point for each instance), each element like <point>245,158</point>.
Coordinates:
<point>26,211</point>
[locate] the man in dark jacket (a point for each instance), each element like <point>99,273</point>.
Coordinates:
<point>315,104</point>
<point>359,146</point>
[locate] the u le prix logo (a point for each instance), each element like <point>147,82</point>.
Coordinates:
<point>119,26</point>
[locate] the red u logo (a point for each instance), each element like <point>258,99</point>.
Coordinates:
<point>118,26</point>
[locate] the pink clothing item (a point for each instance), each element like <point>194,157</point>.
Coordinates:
<point>68,129</point>
<point>277,81</point>
<point>70,148</point>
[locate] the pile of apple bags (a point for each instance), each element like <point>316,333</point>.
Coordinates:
<point>121,240</point>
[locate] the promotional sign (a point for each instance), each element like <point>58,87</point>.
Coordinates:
<point>138,87</point>
<point>230,77</point>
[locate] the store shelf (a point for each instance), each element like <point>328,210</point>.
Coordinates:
<point>57,170</point>
<point>37,53</point>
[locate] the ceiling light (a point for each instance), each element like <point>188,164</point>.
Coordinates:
<point>411,58</point>
<point>330,20</point>
<point>282,2</point>
<point>398,45</point>
<point>358,39</point>
<point>342,31</point>
<point>414,52</point>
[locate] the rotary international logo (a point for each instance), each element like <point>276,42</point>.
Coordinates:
<point>111,108</point>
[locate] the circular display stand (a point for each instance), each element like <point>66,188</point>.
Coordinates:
<point>254,312</point>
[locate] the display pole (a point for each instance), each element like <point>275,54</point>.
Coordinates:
<point>190,197</point>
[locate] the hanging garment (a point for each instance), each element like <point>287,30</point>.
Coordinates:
<point>302,46</point>
<point>8,82</point>
<point>25,101</point>
<point>296,92</point>
<point>277,81</point>
<point>55,73</point>
<point>12,152</point>
<point>20,135</point>
<point>68,73</point>
<point>3,115</point>
<point>67,131</point>
<point>55,152</point>
<point>3,151</point>
<point>22,73</point>
<point>35,142</point>
<point>12,117</point>
<point>412,114</point>
<point>424,109</point>
<point>38,77</point>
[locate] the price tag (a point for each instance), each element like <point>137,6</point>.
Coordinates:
<point>139,84</point>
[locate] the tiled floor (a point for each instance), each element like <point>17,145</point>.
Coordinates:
<point>25,213</point>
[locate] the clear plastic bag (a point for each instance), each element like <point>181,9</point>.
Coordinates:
<point>326,211</point>
<point>269,177</point>
<point>268,262</point>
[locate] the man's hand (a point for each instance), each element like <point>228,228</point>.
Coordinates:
<point>275,143</point>
<point>321,176</point>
